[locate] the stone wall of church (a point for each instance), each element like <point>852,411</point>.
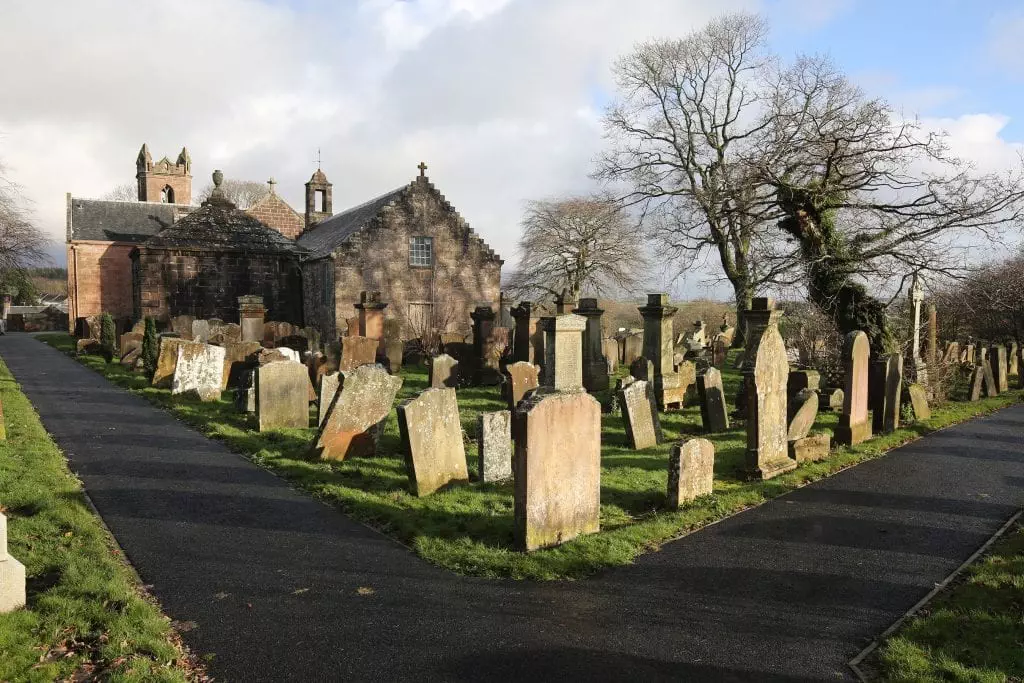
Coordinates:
<point>465,272</point>
<point>275,212</point>
<point>207,284</point>
<point>99,279</point>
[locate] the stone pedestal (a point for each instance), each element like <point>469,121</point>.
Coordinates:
<point>563,352</point>
<point>528,338</point>
<point>371,318</point>
<point>485,348</point>
<point>658,348</point>
<point>595,364</point>
<point>250,317</point>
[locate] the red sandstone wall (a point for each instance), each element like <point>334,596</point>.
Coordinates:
<point>99,279</point>
<point>276,213</point>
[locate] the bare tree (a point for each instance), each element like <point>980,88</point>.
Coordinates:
<point>868,198</point>
<point>125,192</point>
<point>985,305</point>
<point>577,244</point>
<point>688,112</point>
<point>22,244</point>
<point>243,193</point>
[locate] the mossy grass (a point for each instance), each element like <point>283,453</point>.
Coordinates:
<point>86,618</point>
<point>972,631</point>
<point>468,528</point>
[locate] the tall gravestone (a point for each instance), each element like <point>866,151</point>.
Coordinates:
<point>997,359</point>
<point>640,414</point>
<point>916,297</point>
<point>522,377</point>
<point>432,440</point>
<point>765,377</point>
<point>12,575</point>
<point>933,336</point>
<point>691,471</point>
<point>563,352</point>
<point>485,347</point>
<point>371,318</point>
<point>250,317</point>
<point>357,350</point>
<point>854,426</point>
<point>527,338</point>
<point>1012,360</point>
<point>889,420</point>
<point>557,468</point>
<point>595,365</point>
<point>713,412</point>
<point>658,347</point>
<point>167,361</point>
<point>329,384</point>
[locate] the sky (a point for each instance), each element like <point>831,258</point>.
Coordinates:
<point>501,98</point>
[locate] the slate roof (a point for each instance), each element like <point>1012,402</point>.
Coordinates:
<point>118,221</point>
<point>219,226</point>
<point>329,234</point>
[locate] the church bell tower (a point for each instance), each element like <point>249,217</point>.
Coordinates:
<point>318,199</point>
<point>164,181</point>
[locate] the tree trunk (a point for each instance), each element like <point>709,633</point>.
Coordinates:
<point>744,297</point>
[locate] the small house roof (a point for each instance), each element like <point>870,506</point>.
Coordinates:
<point>120,221</point>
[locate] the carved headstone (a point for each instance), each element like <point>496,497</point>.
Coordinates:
<point>435,454</point>
<point>853,422</point>
<point>557,468</point>
<point>250,317</point>
<point>640,415</point>
<point>522,377</point>
<point>238,357</point>
<point>691,471</point>
<point>494,445</point>
<point>563,352</point>
<point>669,389</point>
<point>918,397</point>
<point>356,351</point>
<point>443,371</point>
<point>485,347</point>
<point>12,575</point>
<point>329,384</point>
<point>361,403</point>
<point>282,395</point>
<point>713,412</point>
<point>199,368</point>
<point>182,326</point>
<point>167,360</point>
<point>765,383</point>
<point>811,448</point>
<point>1012,358</point>
<point>885,417</point>
<point>200,331</point>
<point>977,383</point>
<point>595,365</point>
<point>129,342</point>
<point>804,412</point>
<point>225,333</point>
<point>997,359</point>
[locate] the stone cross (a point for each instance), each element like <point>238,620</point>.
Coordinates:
<point>916,297</point>
<point>423,169</point>
<point>272,183</point>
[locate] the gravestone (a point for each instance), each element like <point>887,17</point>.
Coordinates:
<point>968,354</point>
<point>640,415</point>
<point>393,350</point>
<point>238,357</point>
<point>885,417</point>
<point>167,360</point>
<point>444,371</point>
<point>563,352</point>
<point>12,575</point>
<point>199,368</point>
<point>691,471</point>
<point>719,351</point>
<point>952,353</point>
<point>527,338</point>
<point>713,413</point>
<point>129,342</point>
<point>811,448</point>
<point>250,317</point>
<point>610,351</point>
<point>804,412</point>
<point>522,377</point>
<point>201,331</point>
<point>435,454</point>
<point>595,365</point>
<point>997,359</point>
<point>133,357</point>
<point>1012,358</point>
<point>990,383</point>
<point>486,353</point>
<point>918,398</point>
<point>830,399</point>
<point>329,384</point>
<point>765,383</point>
<point>853,422</point>
<point>225,333</point>
<point>282,395</point>
<point>494,445</point>
<point>632,348</point>
<point>371,317</point>
<point>557,468</point>
<point>669,389</point>
<point>803,379</point>
<point>642,369</point>
<point>977,383</point>
<point>363,400</point>
<point>356,351</point>
<point>181,325</point>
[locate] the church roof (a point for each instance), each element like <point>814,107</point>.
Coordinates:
<point>329,234</point>
<point>119,221</point>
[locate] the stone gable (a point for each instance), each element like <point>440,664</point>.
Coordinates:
<point>276,213</point>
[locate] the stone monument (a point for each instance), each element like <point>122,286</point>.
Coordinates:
<point>595,365</point>
<point>853,422</point>
<point>765,376</point>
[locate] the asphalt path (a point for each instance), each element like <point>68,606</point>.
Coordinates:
<point>277,586</point>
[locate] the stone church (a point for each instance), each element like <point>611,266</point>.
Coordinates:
<point>161,256</point>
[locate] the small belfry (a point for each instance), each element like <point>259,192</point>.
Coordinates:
<point>318,197</point>
<point>165,181</point>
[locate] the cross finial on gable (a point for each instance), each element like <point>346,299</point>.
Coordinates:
<point>423,170</point>
<point>272,183</point>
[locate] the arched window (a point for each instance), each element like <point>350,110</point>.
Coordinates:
<point>167,195</point>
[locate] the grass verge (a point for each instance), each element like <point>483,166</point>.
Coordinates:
<point>468,528</point>
<point>86,618</point>
<point>973,630</point>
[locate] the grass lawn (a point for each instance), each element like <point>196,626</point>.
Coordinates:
<point>86,618</point>
<point>468,528</point>
<point>973,631</point>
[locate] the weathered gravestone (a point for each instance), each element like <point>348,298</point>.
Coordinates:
<point>357,351</point>
<point>393,350</point>
<point>129,342</point>
<point>167,360</point>
<point>12,575</point>
<point>238,357</point>
<point>640,415</point>
<point>917,395</point>
<point>811,448</point>
<point>691,471</point>
<point>803,411</point>
<point>853,422</point>
<point>494,445</point>
<point>830,399</point>
<point>977,383</point>
<point>765,383</point>
<point>885,416</point>
<point>522,377</point>
<point>199,368</point>
<point>250,317</point>
<point>486,349</point>
<point>642,369</point>
<point>632,347</point>
<point>719,351</point>
<point>282,395</point>
<point>444,371</point>
<point>997,359</point>
<point>595,365</point>
<point>432,440</point>
<point>952,353</point>
<point>225,333</point>
<point>328,389</point>
<point>363,400</point>
<point>557,468</point>
<point>182,326</point>
<point>1012,358</point>
<point>713,413</point>
<point>563,352</point>
<point>669,385</point>
<point>201,331</point>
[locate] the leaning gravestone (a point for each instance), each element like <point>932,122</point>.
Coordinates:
<point>990,384</point>
<point>691,471</point>
<point>12,575</point>
<point>282,395</point>
<point>918,397</point>
<point>804,413</point>
<point>238,357</point>
<point>765,384</point>
<point>885,417</point>
<point>557,468</point>
<point>129,342</point>
<point>977,382</point>
<point>830,399</point>
<point>713,412</point>
<point>363,400</point>
<point>1012,358</point>
<point>640,415</point>
<point>166,361</point>
<point>329,384</point>
<point>435,454</point>
<point>199,368</point>
<point>444,371</point>
<point>853,423</point>
<point>522,377</point>
<point>494,445</point>
<point>357,351</point>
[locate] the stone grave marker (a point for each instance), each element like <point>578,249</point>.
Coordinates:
<point>640,415</point>
<point>811,448</point>
<point>522,377</point>
<point>182,326</point>
<point>167,360</point>
<point>918,397</point>
<point>854,426</point>
<point>357,351</point>
<point>199,368</point>
<point>129,342</point>
<point>435,454</point>
<point>765,383</point>
<point>563,351</point>
<point>990,384</point>
<point>885,417</point>
<point>250,317</point>
<point>329,384</point>
<point>713,412</point>
<point>201,331</point>
<point>977,383</point>
<point>494,445</point>
<point>393,350</point>
<point>12,575</point>
<point>830,399</point>
<point>802,379</point>
<point>691,471</point>
<point>642,369</point>
<point>997,359</point>
<point>1012,358</point>
<point>238,357</point>
<point>363,400</point>
<point>557,468</point>
<point>282,395</point>
<point>804,412</point>
<point>444,371</point>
